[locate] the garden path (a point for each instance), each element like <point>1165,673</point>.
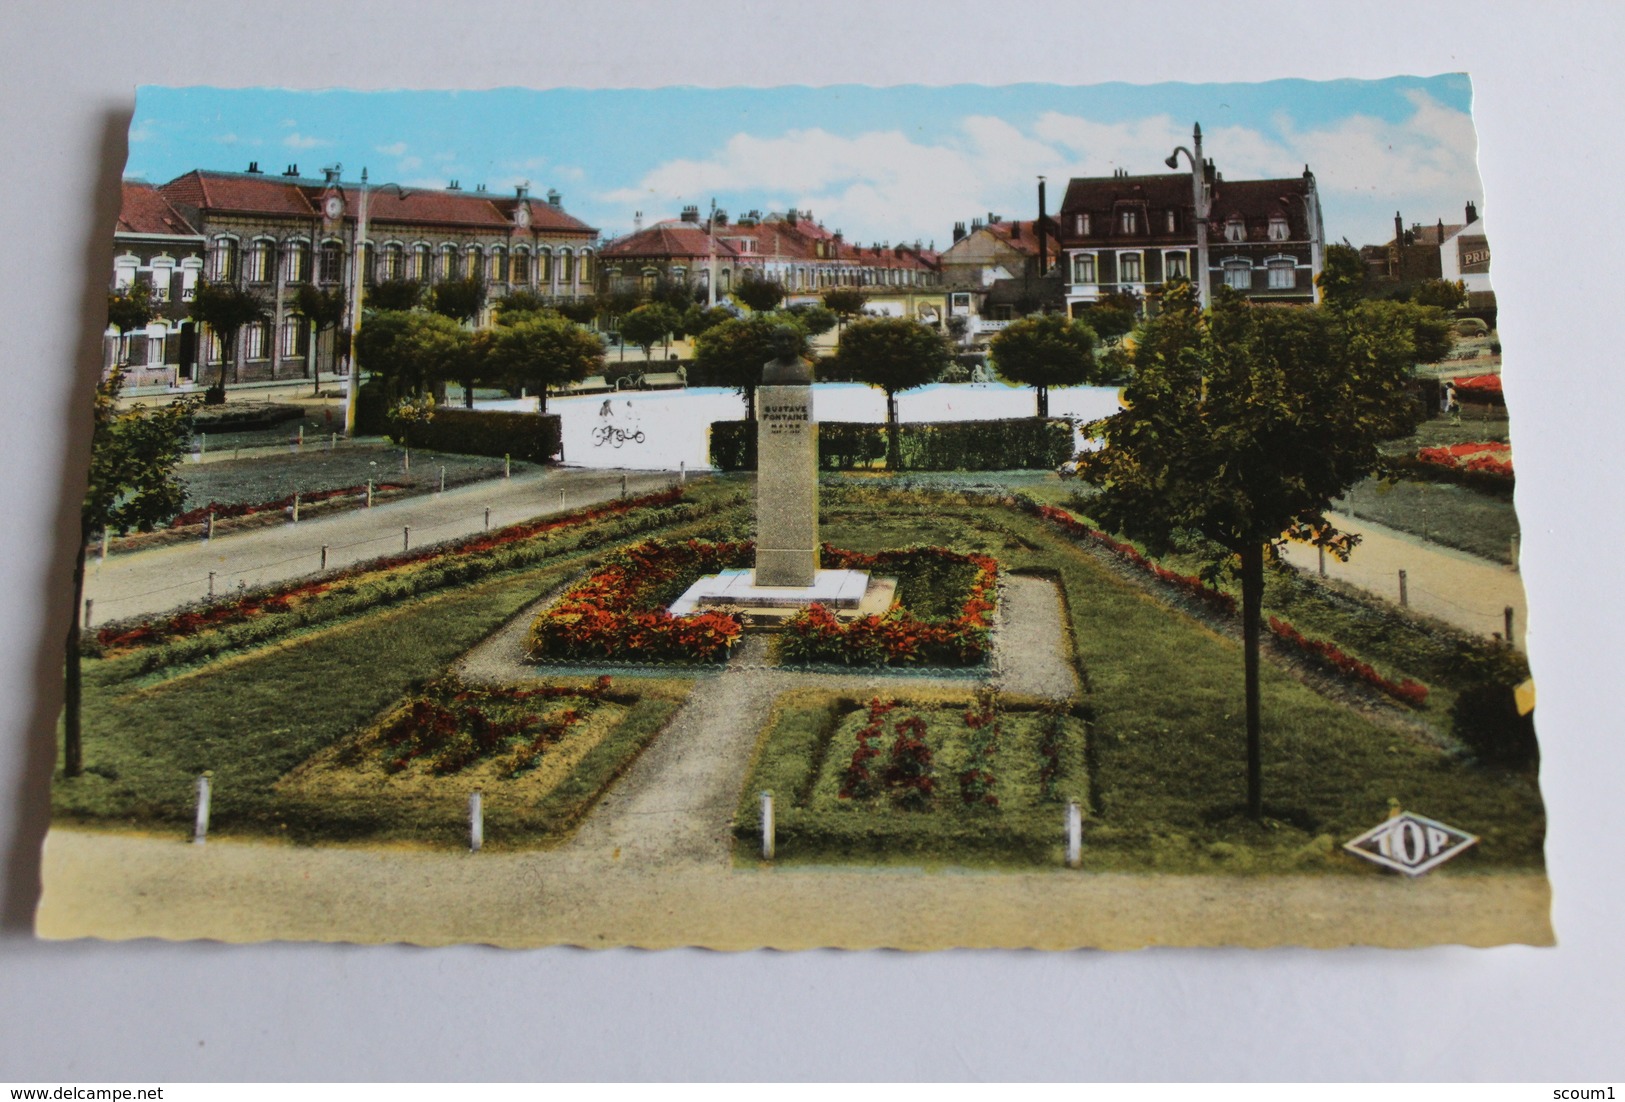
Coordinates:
<point>1458,588</point>
<point>153,580</point>
<point>676,803</point>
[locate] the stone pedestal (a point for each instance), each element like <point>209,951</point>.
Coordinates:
<point>786,487</point>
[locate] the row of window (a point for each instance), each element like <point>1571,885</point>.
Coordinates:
<point>1281,272</point>
<point>1129,222</point>
<point>154,345</point>
<point>227,261</point>
<point>794,279</point>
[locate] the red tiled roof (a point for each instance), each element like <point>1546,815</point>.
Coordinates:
<point>1026,242</point>
<point>143,209</point>
<point>245,193</point>
<point>667,240</point>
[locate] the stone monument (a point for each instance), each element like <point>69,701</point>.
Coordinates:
<point>787,577</point>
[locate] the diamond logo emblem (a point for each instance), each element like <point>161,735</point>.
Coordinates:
<point>1411,843</point>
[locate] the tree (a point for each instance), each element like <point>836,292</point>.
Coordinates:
<point>675,293</point>
<point>129,310</point>
<point>648,325</point>
<point>1243,424</point>
<point>815,319</point>
<point>697,319</point>
<point>1045,351</point>
<point>845,303</point>
<point>1443,293</point>
<point>579,310</point>
<point>395,294</point>
<point>412,351</point>
<point>1342,276</point>
<point>461,299</point>
<point>761,295</point>
<point>133,484</point>
<point>521,302</point>
<point>734,353</point>
<point>225,309</point>
<point>322,310</point>
<point>541,350</point>
<point>894,354</point>
<point>1112,315</point>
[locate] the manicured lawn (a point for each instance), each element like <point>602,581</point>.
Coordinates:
<point>252,717</point>
<point>272,477</point>
<point>1454,516</point>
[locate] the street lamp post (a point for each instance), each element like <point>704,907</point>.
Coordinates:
<point>358,287</point>
<point>1202,204</point>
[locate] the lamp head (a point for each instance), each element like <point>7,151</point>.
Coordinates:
<point>1172,160</point>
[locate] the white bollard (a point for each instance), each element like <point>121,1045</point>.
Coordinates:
<point>200,827</point>
<point>476,821</point>
<point>1404,591</point>
<point>406,459</point>
<point>769,842</point>
<point>209,535</point>
<point>211,585</point>
<point>301,434</point>
<point>406,538</point>
<point>507,465</point>
<point>442,478</point>
<point>682,471</point>
<point>296,508</point>
<point>1516,540</point>
<point>1322,561</point>
<point>1074,835</point>
<point>332,440</point>
<point>202,444</point>
<point>561,499</point>
<point>623,485</point>
<point>369,493</point>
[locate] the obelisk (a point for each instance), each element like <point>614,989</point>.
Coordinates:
<point>786,469</point>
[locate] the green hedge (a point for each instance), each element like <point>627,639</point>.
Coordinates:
<point>1023,443</point>
<point>534,438</point>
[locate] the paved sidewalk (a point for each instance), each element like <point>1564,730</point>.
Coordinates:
<point>1458,588</point>
<point>153,580</point>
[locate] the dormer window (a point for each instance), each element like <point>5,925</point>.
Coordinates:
<point>1080,225</point>
<point>1128,221</point>
<point>1173,222</point>
<point>1235,230</point>
<point>1278,228</point>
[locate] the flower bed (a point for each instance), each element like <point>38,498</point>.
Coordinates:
<point>1187,584</point>
<point>1328,655</point>
<point>124,636</point>
<point>1488,457</point>
<point>618,612</point>
<point>899,637</point>
<point>1480,388</point>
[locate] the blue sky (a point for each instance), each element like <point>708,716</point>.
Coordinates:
<point>882,164</point>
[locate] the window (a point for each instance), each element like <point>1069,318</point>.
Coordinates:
<point>223,260</point>
<point>392,262</point>
<point>261,262</point>
<point>725,279</point>
<point>163,272</point>
<point>1128,221</point>
<point>1173,221</point>
<point>124,272</point>
<point>1128,267</point>
<point>584,267</point>
<point>190,267</point>
<point>292,340</point>
<point>649,277</point>
<point>331,268</point>
<point>1083,268</point>
<point>420,263</point>
<point>474,263</point>
<point>297,267</point>
<point>1283,275</point>
<point>1278,228</point>
<point>1238,274</point>
<point>1080,225</point>
<point>369,263</point>
<point>1235,230</point>
<point>521,267</point>
<point>498,266</point>
<point>447,268</point>
<point>254,341</point>
<point>1176,266</point>
<point>544,266</point>
<point>566,266</point>
<point>155,344</point>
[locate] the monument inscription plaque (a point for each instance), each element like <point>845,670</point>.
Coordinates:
<point>786,486</point>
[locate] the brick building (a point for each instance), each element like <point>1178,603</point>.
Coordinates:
<point>155,246</point>
<point>274,234</point>
<point>1265,238</point>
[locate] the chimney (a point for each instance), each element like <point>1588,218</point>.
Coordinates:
<point>479,187</point>
<point>637,221</point>
<point>1472,213</point>
<point>1015,230</point>
<point>454,185</point>
<point>1441,232</point>
<point>293,170</point>
<point>330,173</point>
<point>1399,229</point>
<point>521,191</point>
<point>959,231</point>
<point>975,224</point>
<point>554,199</point>
<point>254,167</point>
<point>1038,228</point>
<point>691,213</point>
<point>721,217</point>
<point>792,215</point>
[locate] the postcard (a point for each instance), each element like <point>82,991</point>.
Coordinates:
<point>919,517</point>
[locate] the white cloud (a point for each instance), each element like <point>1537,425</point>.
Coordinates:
<point>297,140</point>
<point>396,149</point>
<point>884,185</point>
<point>409,164</point>
<point>288,124</point>
<point>226,139</point>
<point>141,132</point>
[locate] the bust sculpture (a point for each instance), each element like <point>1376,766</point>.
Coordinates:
<point>786,368</point>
